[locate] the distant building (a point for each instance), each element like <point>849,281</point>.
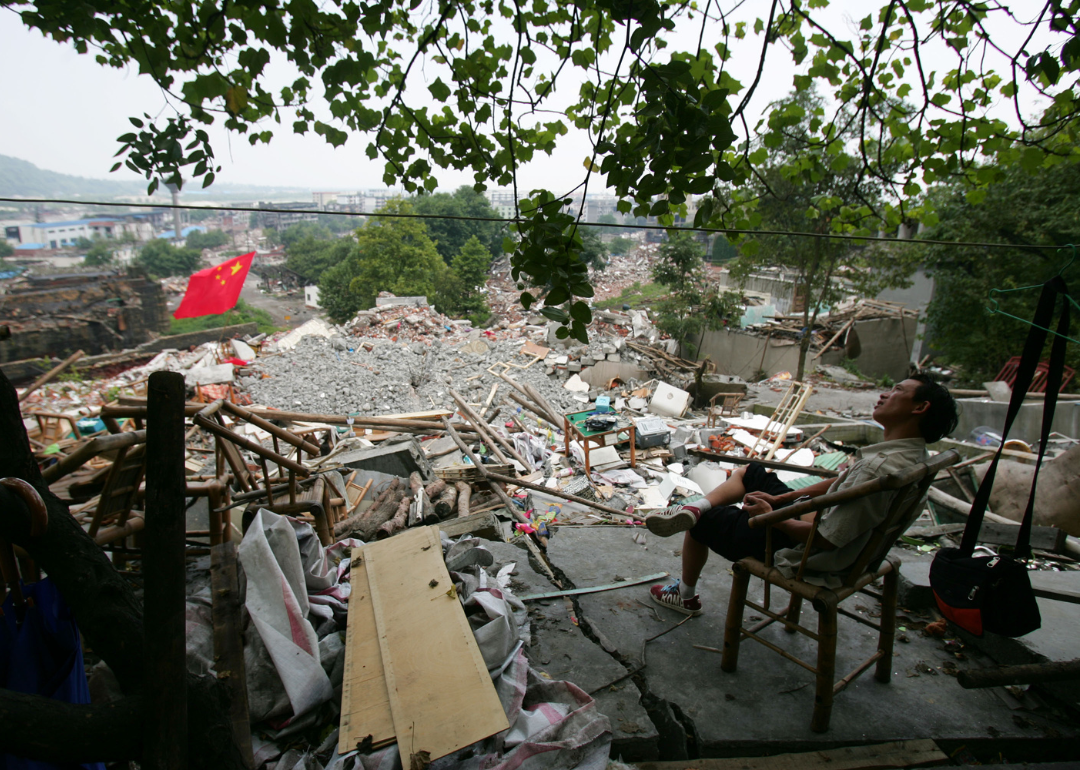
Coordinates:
<point>284,215</point>
<point>311,296</point>
<point>59,235</point>
<point>503,202</point>
<point>324,199</point>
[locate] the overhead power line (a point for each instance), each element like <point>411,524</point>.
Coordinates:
<point>499,220</point>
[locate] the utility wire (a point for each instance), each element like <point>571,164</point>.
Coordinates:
<point>710,230</point>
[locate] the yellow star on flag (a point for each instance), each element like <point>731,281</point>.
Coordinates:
<point>236,268</point>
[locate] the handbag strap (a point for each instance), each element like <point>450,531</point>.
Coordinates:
<point>1025,373</point>
<point>1053,385</point>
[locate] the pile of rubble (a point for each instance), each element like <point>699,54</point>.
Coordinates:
<point>338,456</point>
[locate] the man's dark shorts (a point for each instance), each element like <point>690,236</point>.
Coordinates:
<point>724,529</point>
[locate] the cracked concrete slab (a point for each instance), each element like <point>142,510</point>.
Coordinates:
<point>562,651</point>
<point>765,706</point>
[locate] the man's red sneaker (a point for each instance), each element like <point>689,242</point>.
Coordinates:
<point>671,597</point>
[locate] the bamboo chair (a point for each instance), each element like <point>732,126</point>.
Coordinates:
<point>873,563</point>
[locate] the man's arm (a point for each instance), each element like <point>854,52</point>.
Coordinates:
<point>796,529</point>
<point>776,501</point>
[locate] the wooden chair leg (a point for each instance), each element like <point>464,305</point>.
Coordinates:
<point>826,663</point>
<point>794,610</point>
<point>733,628</point>
<point>883,672</point>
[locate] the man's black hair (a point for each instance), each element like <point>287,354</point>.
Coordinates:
<point>941,418</point>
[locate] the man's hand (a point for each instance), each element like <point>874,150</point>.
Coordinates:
<point>757,503</point>
<point>773,501</point>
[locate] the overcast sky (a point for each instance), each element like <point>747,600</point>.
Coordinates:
<point>62,112</point>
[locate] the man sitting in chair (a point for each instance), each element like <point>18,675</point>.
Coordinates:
<point>915,412</point>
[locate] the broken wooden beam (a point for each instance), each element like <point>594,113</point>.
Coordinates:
<point>43,379</point>
<point>1030,673</point>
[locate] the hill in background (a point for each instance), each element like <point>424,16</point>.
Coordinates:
<point>20,178</point>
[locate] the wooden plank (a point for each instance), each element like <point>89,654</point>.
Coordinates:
<point>894,754</point>
<point>441,696</point>
<point>365,703</point>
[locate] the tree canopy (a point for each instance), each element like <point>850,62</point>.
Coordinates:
<point>803,189</point>
<point>1032,213</point>
<point>486,87</point>
<point>310,257</point>
<point>211,239</point>
<point>460,291</point>
<point>100,253</point>
<point>390,254</point>
<point>693,306</point>
<point>449,234</point>
<point>161,259</point>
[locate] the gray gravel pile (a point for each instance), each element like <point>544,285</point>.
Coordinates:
<point>340,376</point>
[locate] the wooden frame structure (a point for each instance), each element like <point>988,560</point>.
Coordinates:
<point>874,562</point>
<point>787,411</point>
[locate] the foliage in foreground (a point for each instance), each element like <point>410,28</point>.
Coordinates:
<point>241,314</point>
<point>665,121</point>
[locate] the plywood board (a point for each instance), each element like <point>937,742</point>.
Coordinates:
<point>365,703</point>
<point>441,696</point>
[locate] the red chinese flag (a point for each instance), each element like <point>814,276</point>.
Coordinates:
<point>215,289</point>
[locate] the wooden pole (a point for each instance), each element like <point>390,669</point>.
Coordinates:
<point>50,374</point>
<point>556,493</point>
<point>229,643</point>
<point>494,440</point>
<point>551,415</point>
<point>526,404</point>
<point>493,485</point>
<point>206,423</point>
<point>165,738</point>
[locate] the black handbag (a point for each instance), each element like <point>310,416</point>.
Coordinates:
<point>993,593</point>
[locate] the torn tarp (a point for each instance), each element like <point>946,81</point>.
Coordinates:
<point>277,601</point>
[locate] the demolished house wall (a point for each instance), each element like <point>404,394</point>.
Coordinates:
<point>743,354</point>
<point>57,315</point>
<point>885,343</point>
<point>978,413</point>
<point>886,346</point>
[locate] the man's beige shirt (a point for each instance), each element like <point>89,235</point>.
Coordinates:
<point>847,525</point>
